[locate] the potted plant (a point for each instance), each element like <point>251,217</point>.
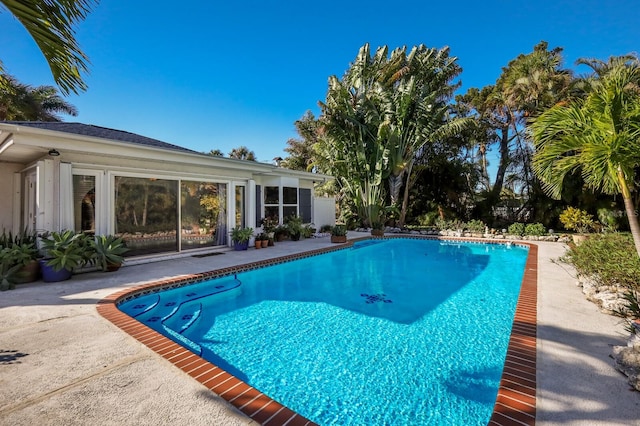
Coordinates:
<point>294,227</point>
<point>264,239</point>
<point>258,241</point>
<point>281,232</point>
<point>269,225</point>
<point>22,251</point>
<point>63,252</point>
<point>240,237</point>
<point>8,269</point>
<point>339,234</point>
<point>577,220</point>
<point>109,251</point>
<point>25,255</point>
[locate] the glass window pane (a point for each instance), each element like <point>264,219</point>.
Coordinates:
<point>271,195</point>
<point>272,213</point>
<point>203,212</point>
<point>240,206</point>
<point>290,195</point>
<point>289,211</point>
<point>146,214</point>
<point>84,202</point>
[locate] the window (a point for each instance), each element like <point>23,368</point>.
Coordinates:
<point>290,201</point>
<point>240,220</point>
<point>271,195</point>
<point>203,214</point>
<point>84,203</point>
<point>146,214</point>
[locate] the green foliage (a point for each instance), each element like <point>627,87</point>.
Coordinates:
<point>294,227</point>
<point>308,231</point>
<point>9,267</point>
<point>475,225</point>
<point>109,250</point>
<point>428,219</point>
<point>576,219</point>
<point>608,258</point>
<point>608,219</point>
<point>516,228</point>
<point>339,230</point>
<point>325,228</point>
<point>535,229</point>
<point>241,235</point>
<point>51,24</point>
<point>65,250</point>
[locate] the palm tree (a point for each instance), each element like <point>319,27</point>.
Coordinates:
<point>50,23</point>
<point>598,136</point>
<point>242,153</point>
<point>21,102</point>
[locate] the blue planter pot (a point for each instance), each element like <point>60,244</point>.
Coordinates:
<point>51,276</point>
<point>241,246</point>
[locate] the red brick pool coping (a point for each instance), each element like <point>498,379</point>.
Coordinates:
<point>515,403</point>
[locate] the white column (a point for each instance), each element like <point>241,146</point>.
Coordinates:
<point>66,197</point>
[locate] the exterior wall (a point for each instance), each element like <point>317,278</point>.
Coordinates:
<point>324,211</point>
<point>9,183</point>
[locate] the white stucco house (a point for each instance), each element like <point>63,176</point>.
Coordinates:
<point>160,197</point>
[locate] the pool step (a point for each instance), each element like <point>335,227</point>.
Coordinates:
<point>156,308</point>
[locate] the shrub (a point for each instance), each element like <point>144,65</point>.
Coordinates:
<point>475,225</point>
<point>576,220</point>
<point>325,228</point>
<point>611,259</point>
<point>516,229</point>
<point>535,229</point>
<point>608,259</point>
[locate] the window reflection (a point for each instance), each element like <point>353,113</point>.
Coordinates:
<point>203,214</point>
<point>146,214</point>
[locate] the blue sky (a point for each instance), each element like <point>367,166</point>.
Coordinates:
<point>209,75</point>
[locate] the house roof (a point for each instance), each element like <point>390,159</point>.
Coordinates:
<point>100,132</point>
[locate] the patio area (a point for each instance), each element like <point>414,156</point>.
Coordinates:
<point>63,363</point>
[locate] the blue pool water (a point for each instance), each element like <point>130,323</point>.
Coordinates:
<point>398,331</point>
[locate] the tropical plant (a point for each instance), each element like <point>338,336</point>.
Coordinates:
<point>109,251</point>
<point>339,230</point>
<point>64,250</point>
<point>243,153</point>
<point>22,102</point>
<point>9,267</point>
<point>51,24</point>
<point>574,219</point>
<point>598,136</point>
<point>294,227</point>
<point>241,235</point>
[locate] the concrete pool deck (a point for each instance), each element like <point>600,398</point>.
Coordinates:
<point>62,363</point>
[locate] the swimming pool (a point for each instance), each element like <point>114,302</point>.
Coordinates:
<point>424,319</point>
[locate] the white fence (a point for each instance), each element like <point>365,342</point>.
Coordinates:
<point>324,211</point>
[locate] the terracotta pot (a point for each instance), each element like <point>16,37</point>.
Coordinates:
<point>265,243</point>
<point>112,267</point>
<point>28,273</point>
<point>338,238</point>
<point>579,239</point>
<point>377,232</point>
<point>258,244</point>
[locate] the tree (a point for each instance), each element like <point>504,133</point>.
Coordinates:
<point>598,136</point>
<point>301,154</point>
<point>353,133</point>
<point>528,85</point>
<point>242,153</point>
<point>51,23</point>
<point>21,102</point>
<point>216,153</point>
<point>420,86</point>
